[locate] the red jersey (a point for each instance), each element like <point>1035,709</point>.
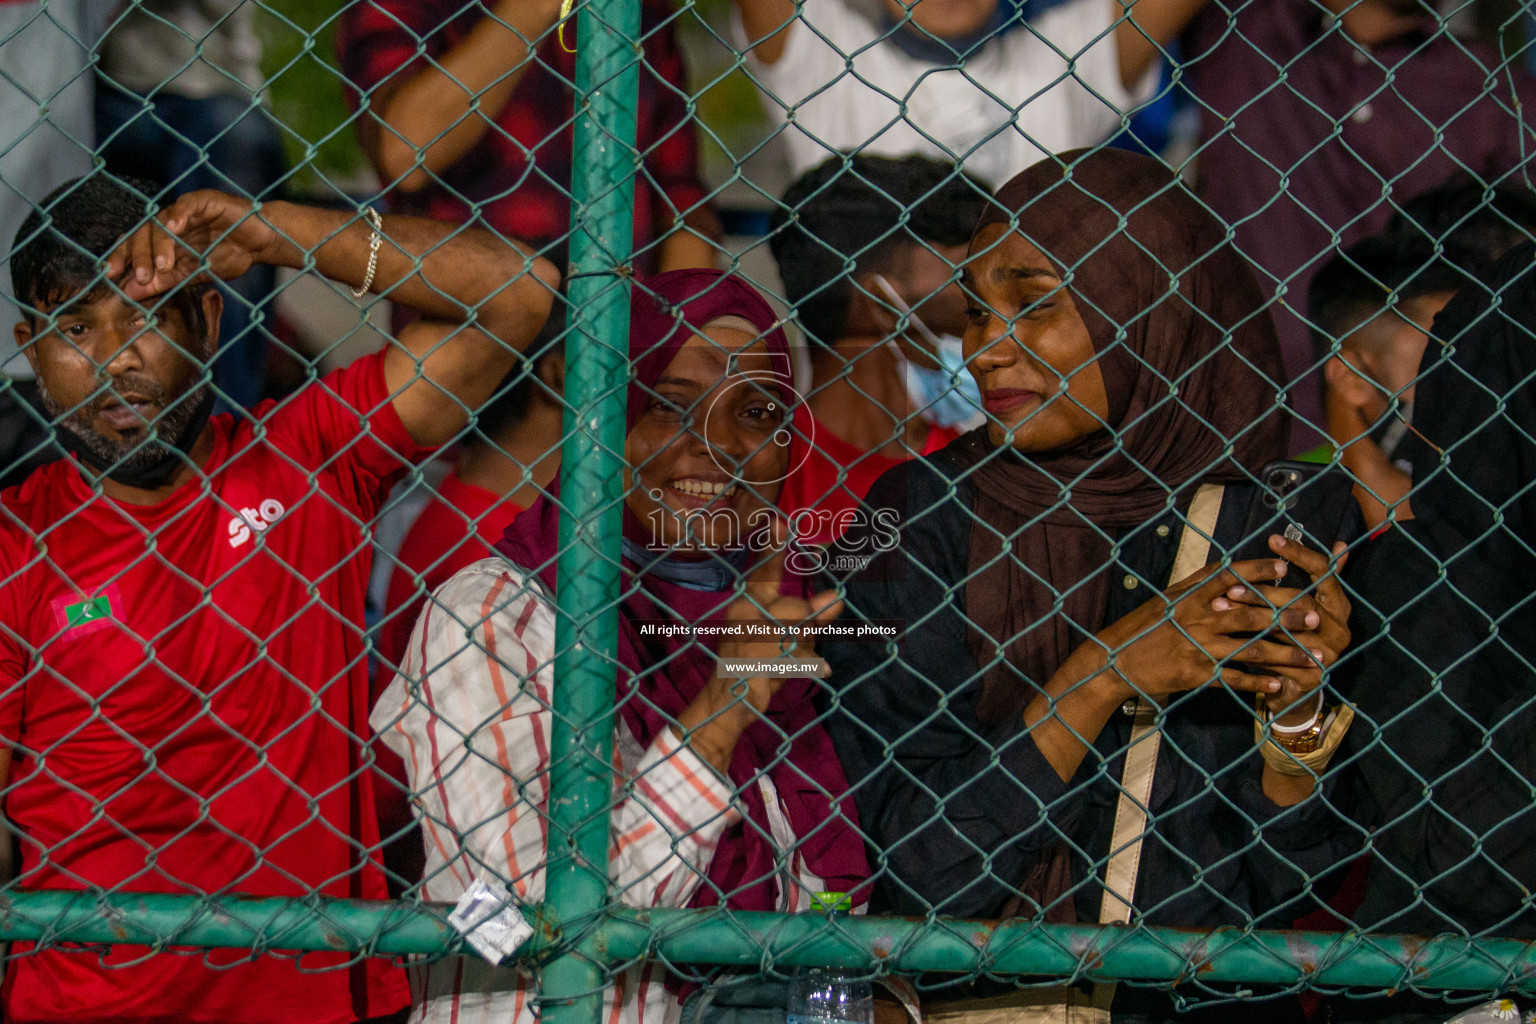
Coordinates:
<point>836,475</point>
<point>460,525</point>
<point>186,689</point>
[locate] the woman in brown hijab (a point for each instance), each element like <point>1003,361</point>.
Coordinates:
<point>1125,359</point>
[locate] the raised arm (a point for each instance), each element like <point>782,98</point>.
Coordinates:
<point>1146,30</point>
<point>481,299</point>
<point>442,111</point>
<point>687,225</point>
<point>766,22</point>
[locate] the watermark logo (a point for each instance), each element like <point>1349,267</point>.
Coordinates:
<point>876,529</point>
<point>863,533</point>
<point>781,437</point>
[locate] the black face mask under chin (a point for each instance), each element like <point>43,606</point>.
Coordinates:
<point>146,474</point>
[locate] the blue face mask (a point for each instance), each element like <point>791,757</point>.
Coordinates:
<point>947,395</point>
<point>714,574</point>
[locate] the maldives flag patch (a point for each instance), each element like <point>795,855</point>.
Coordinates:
<point>78,616</point>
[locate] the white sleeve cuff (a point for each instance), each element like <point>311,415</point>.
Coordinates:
<point>682,791</point>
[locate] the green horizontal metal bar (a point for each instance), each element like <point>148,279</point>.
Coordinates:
<point>1018,946</point>
<point>226,922</point>
<point>902,945</point>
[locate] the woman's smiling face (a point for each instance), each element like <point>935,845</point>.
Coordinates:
<point>709,453</point>
<point>1028,347</point>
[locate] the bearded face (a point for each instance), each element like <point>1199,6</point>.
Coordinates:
<point>125,392</point>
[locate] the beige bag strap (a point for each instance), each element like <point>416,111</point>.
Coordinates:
<point>1141,756</point>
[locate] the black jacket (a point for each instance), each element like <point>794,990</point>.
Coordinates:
<point>959,815</point>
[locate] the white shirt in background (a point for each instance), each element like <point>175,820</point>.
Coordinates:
<point>47,121</point>
<point>191,48</point>
<point>1050,85</point>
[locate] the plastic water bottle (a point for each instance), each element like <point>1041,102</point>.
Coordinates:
<point>819,995</point>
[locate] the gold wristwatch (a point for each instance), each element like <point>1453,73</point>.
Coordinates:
<point>1303,742</point>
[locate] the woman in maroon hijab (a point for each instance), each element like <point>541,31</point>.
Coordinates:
<point>727,791</point>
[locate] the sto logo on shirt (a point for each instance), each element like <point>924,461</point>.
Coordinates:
<point>253,520</point>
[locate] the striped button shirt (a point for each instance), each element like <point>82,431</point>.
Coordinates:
<point>474,735</point>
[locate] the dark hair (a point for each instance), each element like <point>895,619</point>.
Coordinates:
<point>1474,227</point>
<point>1358,283</point>
<point>860,213</point>
<point>515,392</point>
<point>56,253</point>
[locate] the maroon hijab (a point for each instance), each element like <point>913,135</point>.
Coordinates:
<point>660,677</point>
<point>1192,371</point>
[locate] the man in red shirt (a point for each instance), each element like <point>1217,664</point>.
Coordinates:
<point>888,378</point>
<point>181,616</point>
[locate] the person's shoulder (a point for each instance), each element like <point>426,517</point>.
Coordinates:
<point>27,491</point>
<point>493,590</point>
<point>36,500</point>
<point>34,507</point>
<point>438,529</point>
<point>363,378</point>
<point>346,399</point>
<point>918,514</point>
<point>1463,67</point>
<point>1279,29</point>
<point>918,486</point>
<point>453,508</point>
<point>954,461</point>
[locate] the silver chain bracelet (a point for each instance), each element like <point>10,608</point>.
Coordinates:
<point>373,250</point>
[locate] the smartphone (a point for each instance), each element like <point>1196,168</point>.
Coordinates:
<point>1305,502</point>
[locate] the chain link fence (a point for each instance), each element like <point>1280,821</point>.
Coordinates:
<point>597,478</point>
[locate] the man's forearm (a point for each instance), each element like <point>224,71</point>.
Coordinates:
<point>1380,486</point>
<point>767,23</point>
<point>446,271</point>
<point>1286,790</point>
<point>431,113</point>
<point>684,250</point>
<point>1145,31</point>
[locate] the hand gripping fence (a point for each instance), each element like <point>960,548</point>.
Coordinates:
<point>583,933</point>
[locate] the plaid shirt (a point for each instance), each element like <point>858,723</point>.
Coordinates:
<point>474,733</point>
<point>518,178</point>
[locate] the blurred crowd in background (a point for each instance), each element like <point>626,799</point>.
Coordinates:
<point>1307,132</point>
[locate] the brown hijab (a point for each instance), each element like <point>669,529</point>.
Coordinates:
<point>1193,375</point>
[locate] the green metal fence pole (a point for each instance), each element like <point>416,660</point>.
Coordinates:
<point>605,162</point>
